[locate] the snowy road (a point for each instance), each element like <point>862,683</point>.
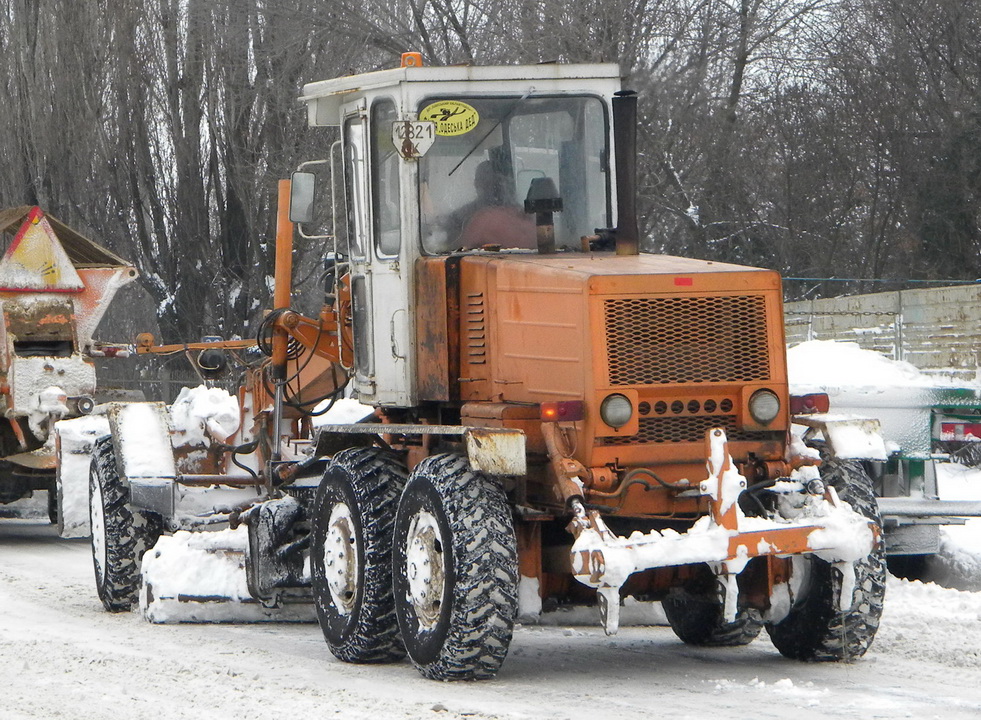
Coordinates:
<point>63,657</point>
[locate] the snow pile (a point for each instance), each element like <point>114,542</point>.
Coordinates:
<point>959,562</point>
<point>864,383</point>
<point>827,365</point>
<point>344,412</point>
<point>49,405</point>
<point>200,412</point>
<point>529,599</point>
<point>847,534</point>
<point>76,438</point>
<point>930,624</point>
<point>802,693</point>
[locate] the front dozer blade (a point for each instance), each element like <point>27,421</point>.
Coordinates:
<point>200,577</point>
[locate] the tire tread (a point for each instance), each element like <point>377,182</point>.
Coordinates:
<point>818,629</point>
<point>485,596</point>
<point>376,479</point>
<point>129,533</point>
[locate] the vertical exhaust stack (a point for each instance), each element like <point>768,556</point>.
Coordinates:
<point>625,139</point>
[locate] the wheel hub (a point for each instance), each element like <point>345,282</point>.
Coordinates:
<point>425,568</point>
<point>341,559</point>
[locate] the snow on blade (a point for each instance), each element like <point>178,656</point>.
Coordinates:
<point>200,577</point>
<point>145,441</point>
<point>200,412</point>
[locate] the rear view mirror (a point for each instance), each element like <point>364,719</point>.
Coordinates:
<point>302,188</point>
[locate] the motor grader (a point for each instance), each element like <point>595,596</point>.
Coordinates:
<point>558,419</point>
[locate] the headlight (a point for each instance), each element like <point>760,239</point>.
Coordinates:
<point>764,406</point>
<point>616,410</point>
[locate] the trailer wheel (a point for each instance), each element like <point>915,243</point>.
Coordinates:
<point>818,626</point>
<point>354,515</point>
<point>456,570</point>
<point>120,534</point>
<point>696,614</point>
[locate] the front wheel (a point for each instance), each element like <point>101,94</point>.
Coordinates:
<point>819,626</point>
<point>696,613</point>
<point>120,534</point>
<point>351,555</point>
<point>455,570</point>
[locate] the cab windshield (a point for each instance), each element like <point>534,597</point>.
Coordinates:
<point>489,152</point>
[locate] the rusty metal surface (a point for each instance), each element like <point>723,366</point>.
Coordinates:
<point>40,459</point>
<point>47,256</point>
<point>498,452</point>
<point>145,344</point>
<point>39,319</point>
<point>432,330</point>
<point>394,429</point>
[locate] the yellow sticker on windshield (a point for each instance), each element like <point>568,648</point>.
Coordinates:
<point>451,117</point>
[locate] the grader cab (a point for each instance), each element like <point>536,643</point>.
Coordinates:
<point>558,418</point>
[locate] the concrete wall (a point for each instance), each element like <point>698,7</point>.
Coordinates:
<point>931,328</point>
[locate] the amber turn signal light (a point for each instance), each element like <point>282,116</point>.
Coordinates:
<point>564,411</point>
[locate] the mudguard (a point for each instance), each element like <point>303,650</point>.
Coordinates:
<point>144,454</point>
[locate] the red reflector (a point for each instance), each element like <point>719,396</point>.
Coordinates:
<point>806,404</point>
<point>565,411</point>
<point>683,282</point>
<point>960,431</point>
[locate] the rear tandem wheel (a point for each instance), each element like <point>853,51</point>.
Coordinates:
<point>351,555</point>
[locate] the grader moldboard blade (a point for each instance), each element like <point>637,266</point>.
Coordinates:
<point>197,574</point>
<point>200,578</point>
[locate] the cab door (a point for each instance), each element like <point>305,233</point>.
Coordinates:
<point>380,287</point>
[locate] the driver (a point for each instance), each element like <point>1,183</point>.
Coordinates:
<point>491,218</point>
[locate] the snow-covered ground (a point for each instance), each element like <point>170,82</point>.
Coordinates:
<point>64,657</point>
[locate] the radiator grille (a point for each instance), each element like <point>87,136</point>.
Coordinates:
<point>653,341</point>
<point>685,429</point>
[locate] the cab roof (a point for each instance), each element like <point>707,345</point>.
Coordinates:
<point>325,97</point>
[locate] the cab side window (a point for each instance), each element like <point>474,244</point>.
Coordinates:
<point>354,171</point>
<point>385,183</point>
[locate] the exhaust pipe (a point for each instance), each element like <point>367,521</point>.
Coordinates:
<point>625,152</point>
